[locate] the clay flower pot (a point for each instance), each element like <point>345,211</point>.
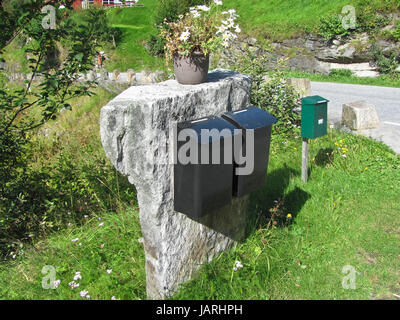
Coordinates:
<point>191,69</point>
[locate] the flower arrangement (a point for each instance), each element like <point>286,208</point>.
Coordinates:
<point>203,29</point>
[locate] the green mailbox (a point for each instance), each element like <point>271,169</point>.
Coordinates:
<point>314,117</point>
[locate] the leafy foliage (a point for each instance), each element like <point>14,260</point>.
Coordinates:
<point>384,64</point>
<point>271,91</point>
<point>29,199</point>
<point>331,27</point>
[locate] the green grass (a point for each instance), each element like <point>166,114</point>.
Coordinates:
<point>347,214</point>
<point>136,25</point>
<point>382,80</point>
<point>113,245</point>
<point>277,20</point>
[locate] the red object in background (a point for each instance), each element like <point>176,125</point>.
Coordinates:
<point>77,4</point>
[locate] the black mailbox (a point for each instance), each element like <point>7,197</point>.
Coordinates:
<point>202,187</point>
<point>261,122</point>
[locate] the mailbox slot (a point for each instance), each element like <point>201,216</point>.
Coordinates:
<point>252,118</point>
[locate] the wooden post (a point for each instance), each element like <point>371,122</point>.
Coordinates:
<point>304,166</point>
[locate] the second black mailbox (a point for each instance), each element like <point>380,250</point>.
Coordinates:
<point>252,118</point>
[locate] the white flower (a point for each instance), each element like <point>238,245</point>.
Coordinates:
<point>225,44</point>
<point>203,7</point>
<point>232,11</point>
<point>237,29</point>
<point>238,265</point>
<point>109,271</point>
<point>87,296</point>
<point>74,240</point>
<point>73,284</point>
<point>218,2</point>
<point>56,283</point>
<point>113,298</point>
<point>221,29</point>
<point>185,35</point>
<point>101,224</point>
<point>196,14</point>
<point>77,276</point>
<point>84,293</point>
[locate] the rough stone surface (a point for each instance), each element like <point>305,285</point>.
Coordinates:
<point>131,76</point>
<point>359,115</point>
<point>131,127</point>
<point>116,75</point>
<point>301,85</point>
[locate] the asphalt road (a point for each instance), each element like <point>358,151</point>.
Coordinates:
<point>386,101</point>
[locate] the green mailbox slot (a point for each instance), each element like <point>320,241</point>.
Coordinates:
<point>314,117</point>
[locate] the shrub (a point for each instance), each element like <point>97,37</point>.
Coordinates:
<point>396,32</point>
<point>385,65</point>
<point>271,91</point>
<point>331,27</point>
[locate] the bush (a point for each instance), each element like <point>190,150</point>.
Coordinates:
<point>331,27</point>
<point>35,201</point>
<point>396,32</point>
<point>385,65</point>
<point>271,91</point>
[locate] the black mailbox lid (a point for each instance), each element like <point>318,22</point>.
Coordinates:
<point>250,118</point>
<point>208,123</point>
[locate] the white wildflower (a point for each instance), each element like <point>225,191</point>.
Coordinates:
<point>83,293</point>
<point>237,266</point>
<point>56,283</point>
<point>109,271</point>
<point>218,2</point>
<point>77,276</point>
<point>185,35</point>
<point>203,7</point>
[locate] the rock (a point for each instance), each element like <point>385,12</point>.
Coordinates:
<point>144,77</point>
<point>132,127</point>
<point>359,115</point>
<point>116,75</point>
<point>91,76</point>
<point>336,42</point>
<point>104,74</point>
<point>131,76</point>
<point>159,76</point>
<point>302,86</point>
<point>358,69</point>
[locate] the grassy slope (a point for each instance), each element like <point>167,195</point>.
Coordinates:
<point>347,214</point>
<point>278,19</point>
<point>136,25</point>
